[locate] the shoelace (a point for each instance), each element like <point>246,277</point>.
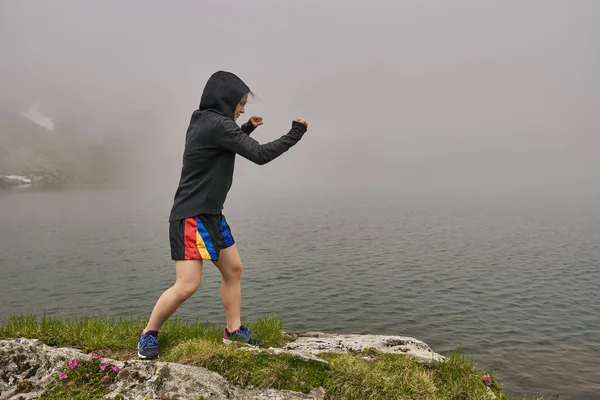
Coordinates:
<point>149,341</point>
<point>244,333</point>
<point>247,336</point>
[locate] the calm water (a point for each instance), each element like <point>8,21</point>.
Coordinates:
<point>514,282</point>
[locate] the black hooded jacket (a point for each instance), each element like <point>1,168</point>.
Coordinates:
<point>212,141</point>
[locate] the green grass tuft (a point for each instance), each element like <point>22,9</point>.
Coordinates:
<point>86,333</point>
<point>458,377</point>
<point>121,335</point>
<point>389,377</point>
<point>245,367</point>
<point>269,329</point>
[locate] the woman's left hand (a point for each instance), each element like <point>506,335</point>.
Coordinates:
<point>256,121</point>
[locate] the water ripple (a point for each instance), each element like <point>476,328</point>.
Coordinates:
<point>514,284</point>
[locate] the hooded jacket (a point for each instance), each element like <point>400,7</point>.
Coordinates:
<point>212,141</point>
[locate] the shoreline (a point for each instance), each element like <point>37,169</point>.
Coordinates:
<point>37,354</point>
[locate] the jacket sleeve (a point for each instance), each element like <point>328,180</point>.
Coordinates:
<point>232,138</point>
<point>248,127</point>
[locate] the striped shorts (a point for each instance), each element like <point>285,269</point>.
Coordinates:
<point>199,238</point>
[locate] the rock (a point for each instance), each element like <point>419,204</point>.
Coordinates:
<point>311,344</point>
<point>27,366</point>
<point>29,361</point>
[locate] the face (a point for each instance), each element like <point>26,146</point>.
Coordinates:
<point>239,110</point>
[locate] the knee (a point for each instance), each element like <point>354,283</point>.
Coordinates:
<point>233,271</point>
<point>185,290</point>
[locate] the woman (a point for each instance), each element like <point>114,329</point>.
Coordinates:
<point>198,230</point>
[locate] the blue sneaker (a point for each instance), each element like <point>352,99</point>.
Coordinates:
<point>243,334</point>
<point>148,345</point>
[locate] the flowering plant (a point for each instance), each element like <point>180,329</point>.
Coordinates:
<point>90,377</point>
<point>490,382</point>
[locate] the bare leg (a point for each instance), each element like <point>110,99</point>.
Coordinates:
<point>230,265</point>
<point>189,274</point>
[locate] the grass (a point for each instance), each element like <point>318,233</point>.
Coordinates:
<point>244,367</point>
<point>119,337</point>
<point>366,376</point>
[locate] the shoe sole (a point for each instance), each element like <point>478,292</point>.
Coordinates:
<point>146,357</point>
<point>228,342</point>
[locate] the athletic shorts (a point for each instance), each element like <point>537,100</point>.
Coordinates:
<point>199,238</point>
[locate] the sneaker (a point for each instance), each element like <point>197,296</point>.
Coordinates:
<point>148,345</point>
<point>243,335</point>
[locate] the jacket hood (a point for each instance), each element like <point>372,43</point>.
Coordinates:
<point>222,93</point>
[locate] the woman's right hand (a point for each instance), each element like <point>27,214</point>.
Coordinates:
<point>302,121</point>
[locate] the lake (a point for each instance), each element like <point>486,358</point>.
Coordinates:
<point>513,281</point>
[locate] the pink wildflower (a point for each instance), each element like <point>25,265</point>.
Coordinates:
<point>104,378</point>
<point>62,376</point>
<point>18,333</point>
<point>103,366</point>
<point>116,369</point>
<point>487,379</point>
<point>73,363</point>
<point>87,374</point>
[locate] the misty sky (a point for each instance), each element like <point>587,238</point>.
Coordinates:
<point>401,96</point>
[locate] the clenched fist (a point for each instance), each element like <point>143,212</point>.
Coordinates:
<point>302,121</point>
<point>256,121</point>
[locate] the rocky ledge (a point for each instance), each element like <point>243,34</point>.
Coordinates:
<point>28,366</point>
<point>310,345</point>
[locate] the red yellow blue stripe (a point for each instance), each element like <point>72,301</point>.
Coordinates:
<point>204,243</point>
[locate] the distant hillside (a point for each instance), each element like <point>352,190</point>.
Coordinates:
<point>65,156</point>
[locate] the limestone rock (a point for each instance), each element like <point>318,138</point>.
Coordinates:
<point>27,366</point>
<point>311,344</point>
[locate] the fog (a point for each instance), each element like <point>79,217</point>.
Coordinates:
<point>402,97</point>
